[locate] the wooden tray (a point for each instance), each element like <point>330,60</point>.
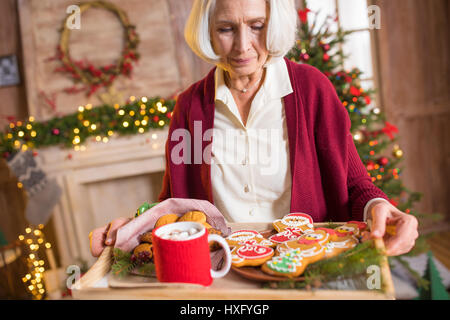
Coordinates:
<point>231,287</point>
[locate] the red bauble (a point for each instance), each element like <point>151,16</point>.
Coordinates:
<point>370,166</point>
<point>355,91</point>
<point>383,161</point>
<point>304,56</point>
<point>326,57</point>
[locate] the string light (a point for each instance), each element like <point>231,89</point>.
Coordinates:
<point>33,280</point>
<point>22,136</point>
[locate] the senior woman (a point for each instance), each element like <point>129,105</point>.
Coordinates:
<point>256,104</point>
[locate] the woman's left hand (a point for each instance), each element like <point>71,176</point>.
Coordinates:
<point>386,217</point>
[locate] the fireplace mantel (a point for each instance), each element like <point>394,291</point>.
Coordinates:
<point>102,182</point>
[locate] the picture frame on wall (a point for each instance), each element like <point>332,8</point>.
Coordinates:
<point>9,71</point>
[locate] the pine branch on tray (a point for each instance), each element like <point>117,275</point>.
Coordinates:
<point>123,265</point>
<point>347,271</point>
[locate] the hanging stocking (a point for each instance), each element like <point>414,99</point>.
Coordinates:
<point>43,193</point>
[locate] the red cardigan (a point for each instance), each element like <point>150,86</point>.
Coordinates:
<point>329,181</point>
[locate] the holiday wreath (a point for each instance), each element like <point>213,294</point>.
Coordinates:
<point>85,72</point>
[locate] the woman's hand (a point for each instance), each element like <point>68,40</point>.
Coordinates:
<point>385,216</point>
<point>105,236</point>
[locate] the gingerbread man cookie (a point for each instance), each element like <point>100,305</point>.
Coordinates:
<point>250,255</point>
<point>289,264</point>
<point>301,221</point>
<point>242,237</point>
<point>311,250</point>
<point>339,245</point>
<point>354,228</point>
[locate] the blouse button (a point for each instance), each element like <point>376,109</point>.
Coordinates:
<point>246,188</point>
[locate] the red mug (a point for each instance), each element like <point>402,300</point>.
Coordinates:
<point>187,260</point>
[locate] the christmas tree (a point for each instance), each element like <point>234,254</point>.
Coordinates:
<point>436,290</point>
<point>374,137</point>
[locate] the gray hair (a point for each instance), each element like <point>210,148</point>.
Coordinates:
<point>281,29</point>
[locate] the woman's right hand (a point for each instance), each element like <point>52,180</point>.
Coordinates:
<point>105,236</point>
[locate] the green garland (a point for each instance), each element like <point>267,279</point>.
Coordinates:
<point>71,131</point>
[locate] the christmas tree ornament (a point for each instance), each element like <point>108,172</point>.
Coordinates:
<point>383,161</point>
<point>370,166</point>
<point>303,15</point>
<point>390,130</point>
<point>397,152</point>
<point>358,136</point>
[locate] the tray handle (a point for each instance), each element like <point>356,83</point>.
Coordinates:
<point>100,268</point>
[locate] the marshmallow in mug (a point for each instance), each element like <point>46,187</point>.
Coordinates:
<point>180,235</point>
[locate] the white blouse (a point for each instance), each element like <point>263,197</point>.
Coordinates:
<point>250,167</point>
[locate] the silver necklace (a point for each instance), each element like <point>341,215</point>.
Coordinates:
<point>244,90</point>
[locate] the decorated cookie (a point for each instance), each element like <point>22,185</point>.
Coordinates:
<point>207,225</point>
<point>288,264</point>
<point>214,245</point>
<point>166,219</point>
<point>339,245</point>
<point>146,237</point>
<point>287,234</point>
<point>301,221</point>
<point>242,237</point>
<point>143,252</point>
<point>196,216</point>
<point>250,255</point>
<point>319,235</point>
<point>354,228</point>
<point>311,250</point>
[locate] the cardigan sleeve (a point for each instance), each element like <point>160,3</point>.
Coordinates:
<point>360,187</point>
<point>178,121</point>
<point>337,154</point>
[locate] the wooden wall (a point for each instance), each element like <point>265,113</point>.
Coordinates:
<point>12,98</point>
<point>12,103</point>
<point>414,60</point>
